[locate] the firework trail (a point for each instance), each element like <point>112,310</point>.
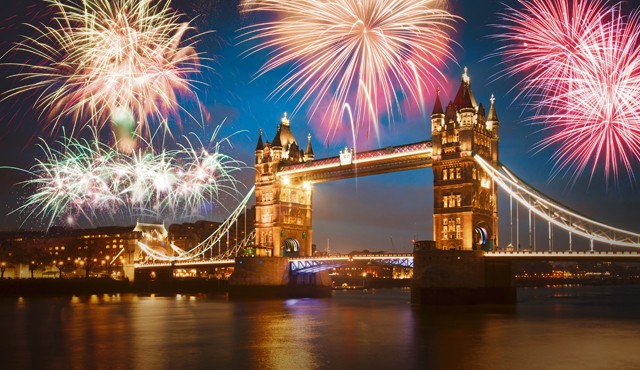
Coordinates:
<point>89,179</point>
<point>366,53</point>
<point>581,66</point>
<point>100,60</point>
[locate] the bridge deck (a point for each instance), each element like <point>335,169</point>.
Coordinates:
<point>300,262</point>
<point>372,162</point>
<point>613,256</point>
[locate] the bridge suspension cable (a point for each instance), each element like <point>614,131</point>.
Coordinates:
<point>207,244</point>
<point>556,214</point>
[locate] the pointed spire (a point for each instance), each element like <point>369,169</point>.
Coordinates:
<point>493,116</point>
<point>308,154</point>
<point>260,145</point>
<point>276,140</point>
<point>437,106</point>
<point>464,97</point>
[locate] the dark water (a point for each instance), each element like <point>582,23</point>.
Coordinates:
<point>549,328</point>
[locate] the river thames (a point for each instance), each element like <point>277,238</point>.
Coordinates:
<point>565,327</point>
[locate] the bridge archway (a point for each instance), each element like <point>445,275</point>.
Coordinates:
<point>291,247</point>
<point>481,237</point>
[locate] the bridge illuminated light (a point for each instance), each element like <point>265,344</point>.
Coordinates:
<point>316,264</point>
<point>557,214</point>
<point>221,262</point>
<point>196,253</point>
<point>576,256</point>
<point>383,160</point>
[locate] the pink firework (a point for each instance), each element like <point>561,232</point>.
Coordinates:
<point>582,75</point>
<point>546,40</point>
<point>369,54</point>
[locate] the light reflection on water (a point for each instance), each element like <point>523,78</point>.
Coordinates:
<point>549,328</point>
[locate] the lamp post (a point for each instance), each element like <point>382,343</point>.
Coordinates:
<point>108,258</point>
<point>3,267</point>
<point>60,266</point>
<point>32,267</point>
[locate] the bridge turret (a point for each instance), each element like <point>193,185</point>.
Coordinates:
<point>437,116</point>
<point>465,213</point>
<point>259,148</point>
<point>465,103</point>
<point>276,146</point>
<point>493,125</point>
<point>308,153</point>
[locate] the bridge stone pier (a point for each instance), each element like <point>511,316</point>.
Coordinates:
<point>460,277</point>
<point>257,277</point>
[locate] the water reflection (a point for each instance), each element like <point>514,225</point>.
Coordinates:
<point>550,328</point>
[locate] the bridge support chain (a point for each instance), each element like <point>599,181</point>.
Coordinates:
<point>272,277</point>
<point>459,277</point>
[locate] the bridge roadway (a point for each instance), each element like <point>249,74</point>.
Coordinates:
<point>572,256</point>
<point>315,264</point>
<point>297,263</point>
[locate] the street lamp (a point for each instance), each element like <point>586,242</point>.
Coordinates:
<point>108,266</point>
<point>60,263</point>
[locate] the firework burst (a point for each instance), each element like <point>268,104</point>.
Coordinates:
<point>105,56</point>
<point>581,64</point>
<point>91,180</point>
<point>366,53</point>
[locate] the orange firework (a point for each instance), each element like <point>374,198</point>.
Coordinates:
<point>368,53</point>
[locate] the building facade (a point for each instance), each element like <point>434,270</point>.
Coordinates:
<point>465,213</point>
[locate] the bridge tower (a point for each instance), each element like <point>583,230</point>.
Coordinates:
<point>465,214</point>
<point>283,205</point>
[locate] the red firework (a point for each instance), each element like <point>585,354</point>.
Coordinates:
<point>581,66</point>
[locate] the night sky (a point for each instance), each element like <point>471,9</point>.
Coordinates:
<point>382,212</point>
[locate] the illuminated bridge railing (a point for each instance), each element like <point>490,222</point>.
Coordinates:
<point>197,252</point>
<point>383,160</point>
<point>185,264</point>
<point>309,265</point>
<point>575,256</point>
<point>557,214</point>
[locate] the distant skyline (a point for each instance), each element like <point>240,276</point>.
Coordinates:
<point>383,212</point>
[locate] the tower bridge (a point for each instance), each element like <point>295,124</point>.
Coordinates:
<point>465,209</point>
<point>464,260</point>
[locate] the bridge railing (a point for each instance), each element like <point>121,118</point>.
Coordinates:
<point>557,214</point>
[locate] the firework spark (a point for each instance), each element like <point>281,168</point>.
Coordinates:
<point>89,179</point>
<point>359,52</point>
<point>105,56</point>
<point>545,41</point>
<point>582,78</point>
